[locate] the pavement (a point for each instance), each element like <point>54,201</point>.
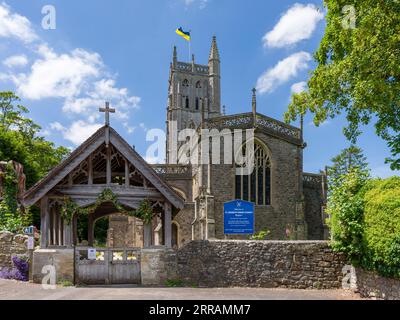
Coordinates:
<point>15,290</point>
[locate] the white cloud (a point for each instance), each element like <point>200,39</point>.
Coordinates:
<point>283,71</point>
<point>78,78</point>
<point>16,61</point>
<point>128,128</point>
<point>103,90</point>
<point>57,126</point>
<point>298,87</point>
<point>201,3</point>
<point>59,76</point>
<point>322,124</point>
<point>79,131</point>
<point>143,127</point>
<point>298,23</point>
<point>13,25</point>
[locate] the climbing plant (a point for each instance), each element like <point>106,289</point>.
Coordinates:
<point>11,217</point>
<point>70,208</point>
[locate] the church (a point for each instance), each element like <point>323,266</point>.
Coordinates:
<point>106,177</point>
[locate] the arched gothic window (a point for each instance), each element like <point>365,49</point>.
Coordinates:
<point>187,102</point>
<point>198,85</point>
<point>185,83</point>
<point>255,187</point>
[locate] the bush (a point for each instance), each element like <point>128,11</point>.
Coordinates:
<point>382,226</point>
<point>365,222</point>
<point>262,235</point>
<point>20,271</point>
<point>346,209</point>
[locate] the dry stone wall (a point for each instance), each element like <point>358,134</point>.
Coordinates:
<point>11,245</point>
<point>291,264</point>
<point>371,285</point>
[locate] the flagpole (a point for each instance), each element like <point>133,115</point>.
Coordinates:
<point>190,46</point>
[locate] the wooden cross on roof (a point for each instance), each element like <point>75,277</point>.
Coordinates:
<point>107,111</point>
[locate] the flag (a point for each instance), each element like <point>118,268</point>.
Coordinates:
<point>184,34</point>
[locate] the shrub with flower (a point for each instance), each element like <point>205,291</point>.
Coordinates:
<point>20,270</point>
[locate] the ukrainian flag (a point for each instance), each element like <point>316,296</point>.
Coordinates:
<point>184,34</point>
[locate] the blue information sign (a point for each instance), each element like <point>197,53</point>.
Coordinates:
<point>239,217</point>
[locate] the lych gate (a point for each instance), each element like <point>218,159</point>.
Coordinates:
<point>103,176</point>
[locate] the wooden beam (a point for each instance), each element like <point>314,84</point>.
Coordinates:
<point>167,225</point>
<point>90,170</point>
<point>146,170</point>
<point>49,183</point>
<point>44,222</point>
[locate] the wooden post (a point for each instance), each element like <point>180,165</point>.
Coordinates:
<point>126,173</point>
<point>60,230</point>
<point>90,230</point>
<point>55,227</point>
<point>147,235</point>
<point>167,225</point>
<point>67,234</point>
<point>75,229</point>
<point>108,161</point>
<point>44,222</point>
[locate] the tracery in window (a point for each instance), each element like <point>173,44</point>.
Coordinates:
<point>255,187</point>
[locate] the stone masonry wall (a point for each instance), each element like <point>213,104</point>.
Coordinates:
<point>371,285</point>
<point>313,215</point>
<point>285,177</point>
<point>11,245</point>
<point>291,264</point>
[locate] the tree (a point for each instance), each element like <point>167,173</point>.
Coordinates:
<point>19,141</point>
<point>358,71</point>
<point>348,160</point>
<point>346,211</point>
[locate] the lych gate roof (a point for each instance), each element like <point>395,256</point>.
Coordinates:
<point>60,172</point>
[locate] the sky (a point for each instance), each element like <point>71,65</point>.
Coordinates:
<point>120,51</point>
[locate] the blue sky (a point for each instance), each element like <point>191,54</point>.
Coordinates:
<point>121,50</point>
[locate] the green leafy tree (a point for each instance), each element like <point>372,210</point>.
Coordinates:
<point>20,141</point>
<point>348,159</point>
<point>358,71</point>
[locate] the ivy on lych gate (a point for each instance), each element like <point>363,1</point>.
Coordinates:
<point>70,208</point>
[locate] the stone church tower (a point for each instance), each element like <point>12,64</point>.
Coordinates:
<point>289,203</point>
<point>194,94</point>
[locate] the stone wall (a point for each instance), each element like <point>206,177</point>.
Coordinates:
<point>291,264</point>
<point>157,266</point>
<point>184,219</point>
<point>286,168</point>
<point>11,245</point>
<point>371,285</point>
<point>61,259</point>
<point>313,199</point>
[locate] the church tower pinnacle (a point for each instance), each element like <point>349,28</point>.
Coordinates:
<point>214,66</point>
<point>194,95</point>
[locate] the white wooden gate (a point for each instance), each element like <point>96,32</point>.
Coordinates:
<point>111,266</point>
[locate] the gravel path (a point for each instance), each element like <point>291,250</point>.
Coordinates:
<point>10,289</point>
